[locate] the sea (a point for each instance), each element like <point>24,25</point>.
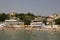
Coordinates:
<point>29,35</point>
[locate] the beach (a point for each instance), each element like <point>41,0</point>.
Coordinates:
<point>29,35</point>
<point>30,28</point>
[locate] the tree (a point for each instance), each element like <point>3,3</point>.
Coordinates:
<point>2,17</point>
<point>57,21</point>
<point>44,22</point>
<point>27,22</point>
<point>30,14</point>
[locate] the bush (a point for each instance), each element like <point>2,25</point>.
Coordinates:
<point>57,21</point>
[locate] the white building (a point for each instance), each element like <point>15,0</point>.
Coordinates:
<point>37,22</point>
<point>14,23</point>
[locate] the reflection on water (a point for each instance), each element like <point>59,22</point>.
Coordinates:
<point>29,35</point>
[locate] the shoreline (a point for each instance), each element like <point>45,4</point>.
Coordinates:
<point>29,28</point>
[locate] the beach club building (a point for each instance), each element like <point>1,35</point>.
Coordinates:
<point>14,23</point>
<point>37,22</point>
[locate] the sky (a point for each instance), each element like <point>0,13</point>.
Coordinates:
<point>37,7</point>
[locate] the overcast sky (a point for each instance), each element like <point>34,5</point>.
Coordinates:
<point>38,7</point>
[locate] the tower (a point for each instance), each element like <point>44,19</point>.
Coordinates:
<point>12,15</point>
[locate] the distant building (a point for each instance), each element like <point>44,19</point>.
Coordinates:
<point>51,18</point>
<point>14,23</point>
<point>37,22</point>
<point>55,16</point>
<point>12,15</point>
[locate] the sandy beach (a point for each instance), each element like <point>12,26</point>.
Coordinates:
<point>30,28</point>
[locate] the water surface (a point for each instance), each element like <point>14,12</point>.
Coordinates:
<point>29,35</point>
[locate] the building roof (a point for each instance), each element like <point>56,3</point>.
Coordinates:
<point>10,20</point>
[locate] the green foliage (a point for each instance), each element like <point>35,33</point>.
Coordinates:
<point>57,21</point>
<point>27,22</point>
<point>2,17</point>
<point>45,22</point>
<point>30,14</point>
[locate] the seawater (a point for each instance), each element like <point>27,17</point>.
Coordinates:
<point>29,35</point>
